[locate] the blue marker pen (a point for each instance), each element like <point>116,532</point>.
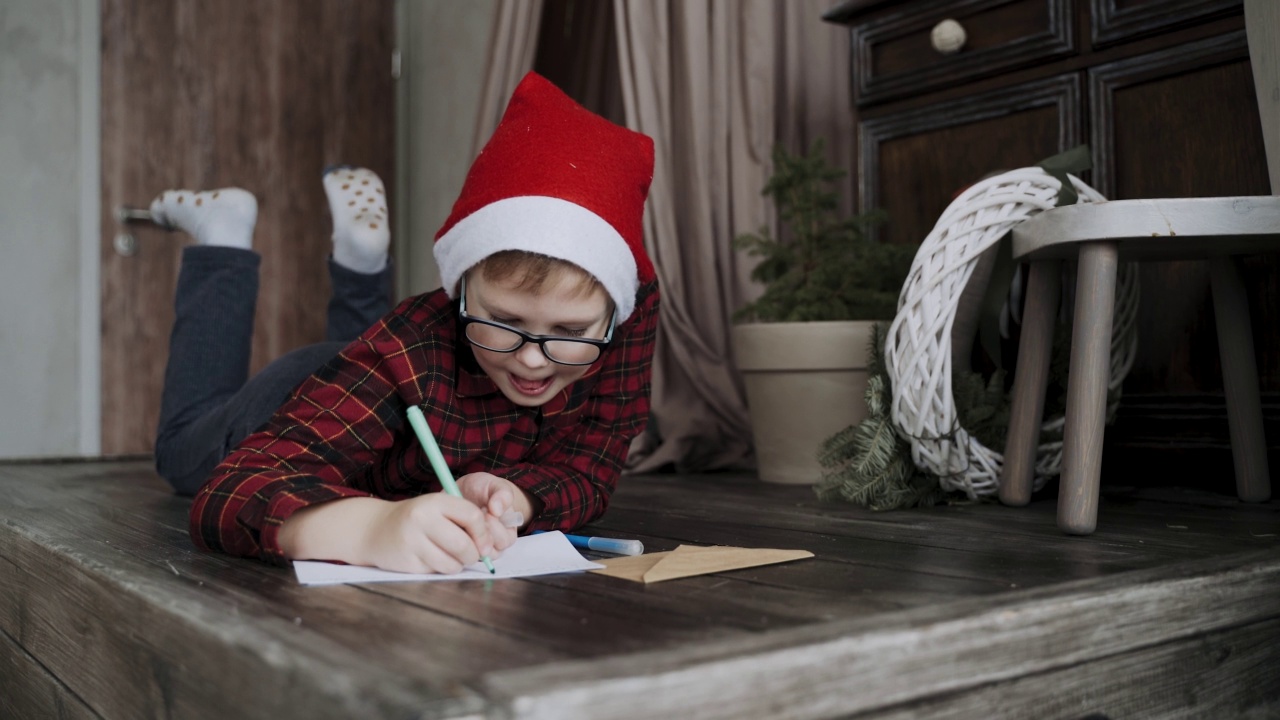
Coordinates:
<point>602,544</point>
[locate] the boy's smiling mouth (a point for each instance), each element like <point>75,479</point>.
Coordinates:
<point>530,387</point>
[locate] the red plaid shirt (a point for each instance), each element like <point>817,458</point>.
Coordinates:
<point>343,433</point>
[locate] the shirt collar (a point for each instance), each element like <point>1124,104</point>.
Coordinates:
<point>472,381</point>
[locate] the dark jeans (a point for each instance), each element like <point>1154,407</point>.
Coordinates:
<point>209,404</point>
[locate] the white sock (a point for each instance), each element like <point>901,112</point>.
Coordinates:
<point>358,204</point>
<point>222,217</point>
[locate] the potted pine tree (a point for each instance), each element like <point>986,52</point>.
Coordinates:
<point>802,346</point>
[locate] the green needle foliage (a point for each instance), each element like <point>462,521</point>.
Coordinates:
<point>826,267</point>
<point>869,464</point>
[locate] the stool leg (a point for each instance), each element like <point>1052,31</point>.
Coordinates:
<point>1240,380</point>
<point>1026,412</point>
<point>1087,388</point>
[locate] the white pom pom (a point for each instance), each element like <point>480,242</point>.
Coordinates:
<point>948,37</point>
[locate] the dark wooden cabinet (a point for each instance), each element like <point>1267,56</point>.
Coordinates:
<point>914,161</point>
<point>1162,92</point>
<point>894,56</point>
<point>1113,21</point>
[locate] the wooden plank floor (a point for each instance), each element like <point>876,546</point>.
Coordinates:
<point>1172,609</point>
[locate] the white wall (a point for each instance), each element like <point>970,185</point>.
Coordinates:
<point>48,226</point>
<point>443,46</point>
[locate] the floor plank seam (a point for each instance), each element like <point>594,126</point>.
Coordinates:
<point>49,672</point>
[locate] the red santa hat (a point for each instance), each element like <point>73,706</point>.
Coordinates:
<point>558,180</point>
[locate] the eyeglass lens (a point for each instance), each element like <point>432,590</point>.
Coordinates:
<point>502,340</point>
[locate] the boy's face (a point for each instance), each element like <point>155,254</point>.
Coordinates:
<point>560,307</point>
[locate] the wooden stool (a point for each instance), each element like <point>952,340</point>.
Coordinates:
<point>1102,234</point>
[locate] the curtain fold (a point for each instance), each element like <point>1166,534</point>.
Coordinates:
<point>717,83</point>
<point>513,44</point>
<point>814,99</point>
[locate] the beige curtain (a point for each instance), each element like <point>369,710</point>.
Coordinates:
<point>813,90</point>
<point>513,43</point>
<point>717,83</point>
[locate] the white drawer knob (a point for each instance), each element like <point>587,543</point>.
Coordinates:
<point>948,37</point>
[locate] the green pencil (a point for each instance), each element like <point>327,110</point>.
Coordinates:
<point>423,431</point>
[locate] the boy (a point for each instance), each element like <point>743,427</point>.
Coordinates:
<point>531,364</point>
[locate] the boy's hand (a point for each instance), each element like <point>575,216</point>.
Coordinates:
<point>429,533</point>
<point>497,495</point>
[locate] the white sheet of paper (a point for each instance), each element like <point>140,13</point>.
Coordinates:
<point>542,554</point>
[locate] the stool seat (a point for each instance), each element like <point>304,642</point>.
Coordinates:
<point>1100,235</point>
<point>1159,229</point>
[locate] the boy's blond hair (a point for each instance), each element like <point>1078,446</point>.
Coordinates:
<point>532,271</point>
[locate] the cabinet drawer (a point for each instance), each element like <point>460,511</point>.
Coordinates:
<point>894,56</point>
<point>1113,21</point>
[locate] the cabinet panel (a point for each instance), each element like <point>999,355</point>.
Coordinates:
<point>914,163</point>
<point>1155,117</point>
<point>894,56</point>
<point>1184,123</point>
<point>1116,20</point>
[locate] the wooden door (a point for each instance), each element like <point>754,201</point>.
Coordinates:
<point>207,94</point>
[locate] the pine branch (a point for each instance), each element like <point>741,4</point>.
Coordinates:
<point>869,464</point>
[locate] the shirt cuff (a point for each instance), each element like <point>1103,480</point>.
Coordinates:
<point>287,502</point>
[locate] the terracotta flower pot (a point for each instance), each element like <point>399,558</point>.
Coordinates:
<point>805,381</point>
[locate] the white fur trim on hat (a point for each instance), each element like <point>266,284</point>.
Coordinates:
<point>548,226</point>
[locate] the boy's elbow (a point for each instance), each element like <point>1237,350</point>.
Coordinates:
<point>186,469</point>
<point>183,481</point>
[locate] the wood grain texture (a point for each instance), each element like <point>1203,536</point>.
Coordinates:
<point>202,94</point>
<point>28,690</point>
<point>1030,382</point>
<point>1087,380</point>
<point>913,164</point>
<point>1225,674</point>
<point>1118,20</point>
<point>893,54</point>
<point>839,669</point>
<point>138,624</point>
<point>953,541</point>
<point>1145,106</point>
<point>931,608</point>
<point>1203,98</point>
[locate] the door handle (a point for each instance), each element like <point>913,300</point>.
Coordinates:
<point>125,242</point>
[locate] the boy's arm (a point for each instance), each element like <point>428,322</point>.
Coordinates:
<point>336,425</point>
<point>305,454</point>
<point>573,471</point>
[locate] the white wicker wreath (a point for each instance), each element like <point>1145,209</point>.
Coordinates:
<point>918,346</point>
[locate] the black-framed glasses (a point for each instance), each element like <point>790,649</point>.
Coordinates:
<point>501,338</point>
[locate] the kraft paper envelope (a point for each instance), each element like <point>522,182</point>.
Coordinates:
<point>690,560</point>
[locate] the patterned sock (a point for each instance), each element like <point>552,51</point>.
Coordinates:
<point>222,217</point>
<point>358,204</point>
